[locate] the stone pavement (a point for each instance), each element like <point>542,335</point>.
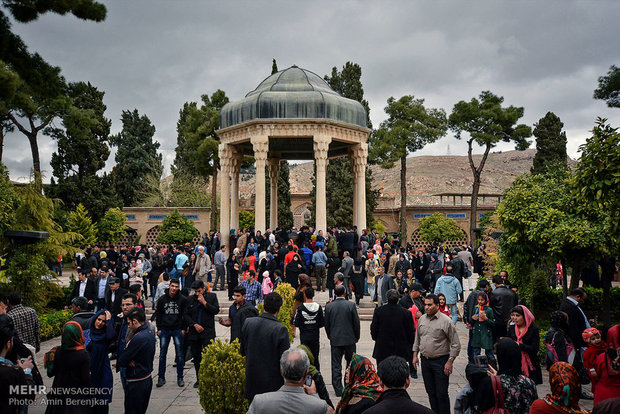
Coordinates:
<point>172,399</point>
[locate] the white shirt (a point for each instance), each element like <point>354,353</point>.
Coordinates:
<point>82,288</point>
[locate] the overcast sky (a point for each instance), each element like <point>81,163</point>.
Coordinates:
<point>156,55</point>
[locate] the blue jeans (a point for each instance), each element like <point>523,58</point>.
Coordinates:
<point>164,341</point>
<point>454,311</point>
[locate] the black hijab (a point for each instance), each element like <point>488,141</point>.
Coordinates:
<point>508,357</point>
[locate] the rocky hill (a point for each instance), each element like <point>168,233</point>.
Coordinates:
<point>426,176</point>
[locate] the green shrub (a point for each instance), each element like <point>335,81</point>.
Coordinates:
<point>548,300</point>
<point>286,311</point>
<point>221,378</point>
<point>542,348</point>
<point>52,323</point>
<point>55,296</point>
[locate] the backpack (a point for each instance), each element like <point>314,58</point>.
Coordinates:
<point>48,361</point>
<point>552,355</point>
<point>498,394</point>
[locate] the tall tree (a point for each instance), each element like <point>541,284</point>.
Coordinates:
<point>550,143</point>
<point>138,165</point>
<point>82,152</point>
<point>609,87</point>
<point>274,67</point>
<point>339,176</point>
<point>487,123</point>
<point>197,142</point>
<point>409,127</point>
<point>79,221</point>
<point>285,214</point>
<point>40,94</point>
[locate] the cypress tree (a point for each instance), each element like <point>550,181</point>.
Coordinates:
<point>550,143</point>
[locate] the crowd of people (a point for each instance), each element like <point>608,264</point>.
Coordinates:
<point>413,327</point>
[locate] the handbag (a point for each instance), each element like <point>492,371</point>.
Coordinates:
<point>498,394</point>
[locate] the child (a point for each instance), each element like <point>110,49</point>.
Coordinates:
<point>267,284</point>
<point>484,320</point>
<point>596,346</point>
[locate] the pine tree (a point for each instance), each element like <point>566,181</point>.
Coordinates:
<point>138,165</point>
<point>339,176</point>
<point>274,67</point>
<point>80,222</point>
<point>112,226</point>
<point>550,143</point>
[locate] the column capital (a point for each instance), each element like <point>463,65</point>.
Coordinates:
<point>260,145</point>
<point>235,161</point>
<point>321,146</point>
<point>359,157</point>
<point>274,168</point>
<point>226,154</point>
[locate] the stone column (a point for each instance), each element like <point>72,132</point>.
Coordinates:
<point>321,146</point>
<point>260,144</point>
<point>225,153</point>
<point>274,173</point>
<point>234,189</point>
<point>352,161</point>
<point>360,156</point>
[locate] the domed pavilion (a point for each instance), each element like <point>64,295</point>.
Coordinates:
<point>292,115</point>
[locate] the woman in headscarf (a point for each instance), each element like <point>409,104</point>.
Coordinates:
<point>565,392</point>
<point>527,335</point>
<point>518,390</point>
<point>557,340</point>
<point>357,279</point>
<point>371,271</point>
<point>293,270</point>
<point>607,368</point>
<point>403,264</point>
<point>71,370</point>
<point>434,271</point>
<point>361,386</point>
<point>101,335</point>
<point>400,284</point>
<point>321,388</point>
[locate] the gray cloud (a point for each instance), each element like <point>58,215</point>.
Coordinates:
<point>156,55</point>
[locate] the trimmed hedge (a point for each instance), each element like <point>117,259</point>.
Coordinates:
<point>286,311</point>
<point>52,323</point>
<point>221,378</point>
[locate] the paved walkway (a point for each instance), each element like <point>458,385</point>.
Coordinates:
<point>172,399</point>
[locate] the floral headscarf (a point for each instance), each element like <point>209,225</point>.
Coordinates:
<point>72,338</point>
<point>362,382</point>
<point>565,388</point>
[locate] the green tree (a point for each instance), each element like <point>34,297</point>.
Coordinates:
<point>339,175</point>
<point>550,143</point>
<point>82,152</point>
<point>112,226</point>
<point>188,191</point>
<point>436,229</point>
<point>197,142</point>
<point>544,222</point>
<point>80,222</point>
<point>597,182</point>
<point>9,201</point>
<point>285,215</point>
<point>176,229</point>
<point>138,165</point>
<point>409,127</point>
<point>487,123</point>
<point>39,96</point>
<point>609,87</point>
<point>246,219</point>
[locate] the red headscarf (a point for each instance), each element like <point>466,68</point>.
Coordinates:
<point>526,363</point>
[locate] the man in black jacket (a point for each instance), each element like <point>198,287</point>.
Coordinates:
<point>114,297</point>
<point>392,329</point>
<point>577,320</point>
<point>170,325</point>
<point>84,287</point>
<point>263,340</point>
<point>199,317</point>
<point>502,300</point>
<point>394,377</point>
<point>238,312</point>
<point>458,270</point>
<point>309,319</point>
<point>138,360</point>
